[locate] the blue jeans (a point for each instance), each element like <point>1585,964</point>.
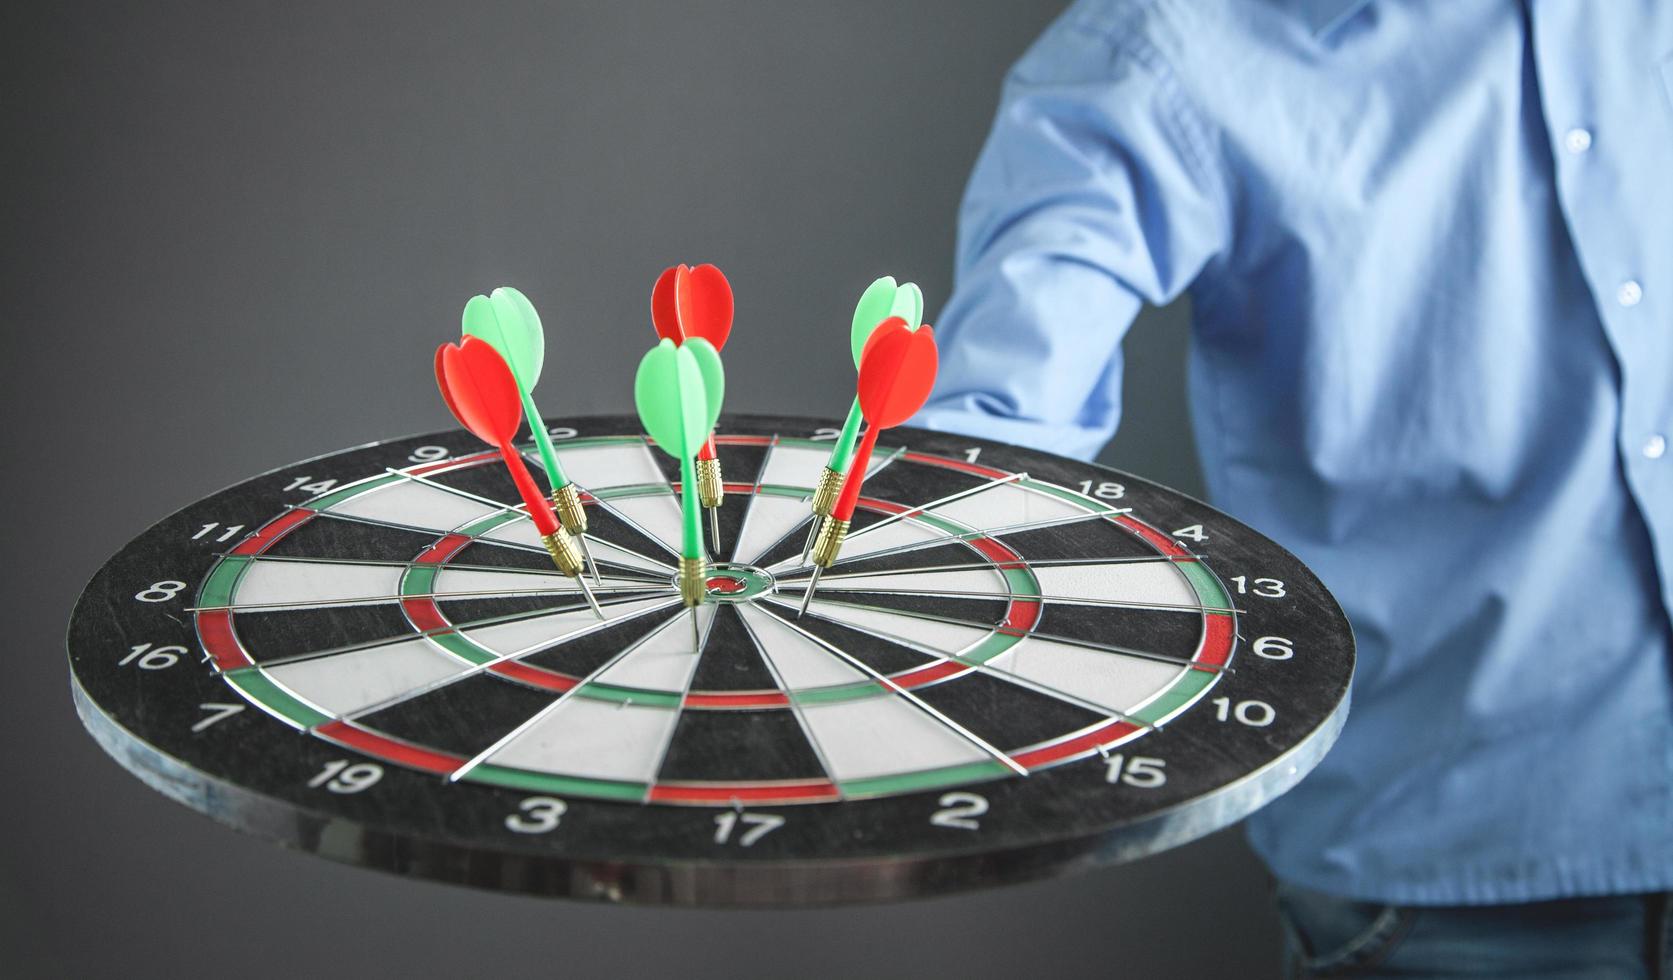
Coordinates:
<point>1611,938</point>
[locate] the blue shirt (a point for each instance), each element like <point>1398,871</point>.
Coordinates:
<point>1429,245</point>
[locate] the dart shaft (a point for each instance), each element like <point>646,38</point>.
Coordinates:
<point>691,532</point>
<point>844,447</point>
<point>539,510</point>
<point>708,450</point>
<point>844,510</point>
<point>543,441</point>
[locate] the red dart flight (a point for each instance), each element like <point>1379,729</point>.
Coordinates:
<point>693,302</point>
<point>897,371</point>
<point>481,392</point>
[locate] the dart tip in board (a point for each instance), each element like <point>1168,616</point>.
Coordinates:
<point>812,585</point>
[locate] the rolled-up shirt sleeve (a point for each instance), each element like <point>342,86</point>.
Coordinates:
<point>1093,195</point>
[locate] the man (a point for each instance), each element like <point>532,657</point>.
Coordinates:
<point>1429,245</point>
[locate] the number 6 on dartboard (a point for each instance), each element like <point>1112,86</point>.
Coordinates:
<point>977,695</point>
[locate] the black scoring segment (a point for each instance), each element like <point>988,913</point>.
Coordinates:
<point>1087,540</point>
<point>731,661</point>
<point>711,745</point>
<point>581,655</point>
<point>463,717</point>
<point>489,479</point>
<point>882,655</point>
<point>275,634</point>
<point>486,552</point>
<point>984,613</point>
<point>937,556</point>
<point>739,463</point>
<point>917,484</point>
<point>603,524</point>
<point>1167,632</point>
<point>498,607</point>
<point>324,536</point>
<point>730,516</point>
<point>1005,715</point>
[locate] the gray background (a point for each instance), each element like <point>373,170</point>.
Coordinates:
<point>234,234</point>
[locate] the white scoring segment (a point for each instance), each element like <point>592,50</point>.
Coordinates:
<point>346,682</point>
<point>1111,680</point>
<point>769,520</point>
<point>523,532</point>
<point>277,584</point>
<point>799,662</point>
<point>949,638</point>
<point>414,504</point>
<point>884,735</point>
<point>466,582</point>
<point>530,634</point>
<point>800,466</point>
<point>597,739</point>
<point>657,514</point>
<point>1007,505</point>
<point>895,534</point>
<point>976,581</point>
<point>665,661</point>
<point>596,467</point>
<point>605,739</point>
<point>1141,583</point>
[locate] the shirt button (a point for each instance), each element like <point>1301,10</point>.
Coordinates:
<point>1577,140</point>
<point>1629,293</point>
<point>1655,447</point>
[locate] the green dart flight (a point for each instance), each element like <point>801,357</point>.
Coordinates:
<point>678,391</point>
<point>507,320</point>
<point>881,300</point>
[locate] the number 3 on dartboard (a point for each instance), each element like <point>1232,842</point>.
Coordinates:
<point>536,815</point>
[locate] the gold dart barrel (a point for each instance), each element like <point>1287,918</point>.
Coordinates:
<point>825,494</point>
<point>694,584</point>
<point>566,500</point>
<point>564,553</point>
<point>710,489</point>
<point>829,542</point>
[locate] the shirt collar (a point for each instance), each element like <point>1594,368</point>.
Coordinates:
<point>1324,16</point>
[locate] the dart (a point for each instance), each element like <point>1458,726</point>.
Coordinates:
<point>482,393</point>
<point>696,303</point>
<point>897,371</point>
<point>881,300</point>
<point>678,391</point>
<point>506,319</point>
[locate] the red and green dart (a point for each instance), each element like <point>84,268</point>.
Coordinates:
<point>881,300</point>
<point>506,319</point>
<point>897,371</point>
<point>481,392</point>
<point>678,391</point>
<point>695,303</point>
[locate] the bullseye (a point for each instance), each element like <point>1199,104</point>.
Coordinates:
<point>726,585</point>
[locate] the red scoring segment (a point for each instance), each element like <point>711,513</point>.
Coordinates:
<point>897,372</point>
<point>693,302</point>
<point>481,392</point>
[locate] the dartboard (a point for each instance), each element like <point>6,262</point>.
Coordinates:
<point>1020,665</point>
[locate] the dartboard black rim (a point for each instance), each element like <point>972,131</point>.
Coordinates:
<point>1081,797</point>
